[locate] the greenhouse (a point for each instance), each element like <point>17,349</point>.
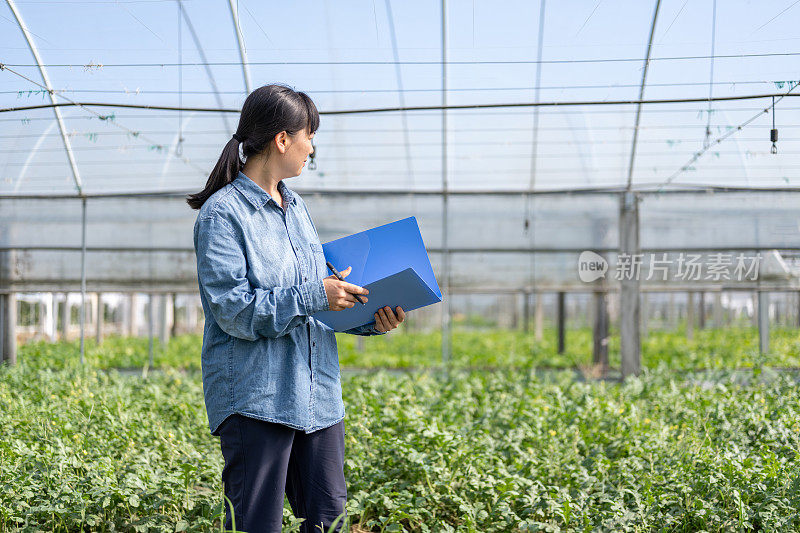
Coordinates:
<point>608,194</point>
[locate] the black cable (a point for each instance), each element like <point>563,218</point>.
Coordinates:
<point>479,113</point>
<point>432,62</point>
<point>414,108</point>
<point>401,90</point>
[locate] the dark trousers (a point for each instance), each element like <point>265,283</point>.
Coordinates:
<point>263,460</point>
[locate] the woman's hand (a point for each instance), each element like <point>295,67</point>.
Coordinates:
<point>340,293</point>
<point>387,320</point>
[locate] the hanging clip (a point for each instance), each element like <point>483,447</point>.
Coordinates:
<point>773,134</point>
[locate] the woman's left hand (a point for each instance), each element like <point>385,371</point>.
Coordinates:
<point>387,320</point>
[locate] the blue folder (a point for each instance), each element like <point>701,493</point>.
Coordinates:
<point>391,262</point>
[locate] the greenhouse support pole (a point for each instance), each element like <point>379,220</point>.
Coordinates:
<point>629,286</point>
<point>151,307</point>
<point>99,310</point>
<point>8,330</point>
<point>173,298</point>
<point>8,309</point>
<point>690,315</point>
<point>42,324</point>
<point>763,322</point>
<point>76,176</point>
<point>446,348</point>
<point>163,319</point>
<point>798,309</point>
<point>630,350</point>
<point>83,276</point>
<point>561,318</point>
<point>240,42</point>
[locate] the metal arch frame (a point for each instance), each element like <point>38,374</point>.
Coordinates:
<point>34,50</point>
<point>400,93</point>
<point>202,53</point>
<point>641,94</point>
<point>240,40</point>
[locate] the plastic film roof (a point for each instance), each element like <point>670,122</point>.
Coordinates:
<point>574,151</point>
<point>379,55</point>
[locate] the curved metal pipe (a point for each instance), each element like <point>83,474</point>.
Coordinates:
<point>67,145</point>
<point>240,40</point>
<point>641,95</point>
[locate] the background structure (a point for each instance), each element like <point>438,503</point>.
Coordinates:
<point>519,135</point>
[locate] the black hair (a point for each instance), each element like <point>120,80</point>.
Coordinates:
<point>266,112</point>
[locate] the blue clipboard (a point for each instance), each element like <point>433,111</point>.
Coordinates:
<point>391,262</point>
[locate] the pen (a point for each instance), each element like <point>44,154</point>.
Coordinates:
<point>340,278</point>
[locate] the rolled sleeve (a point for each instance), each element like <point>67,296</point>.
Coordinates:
<point>365,330</point>
<point>240,309</point>
<point>314,296</point>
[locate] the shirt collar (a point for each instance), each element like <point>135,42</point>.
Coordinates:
<point>258,196</point>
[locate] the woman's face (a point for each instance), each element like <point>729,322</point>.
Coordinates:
<point>298,148</point>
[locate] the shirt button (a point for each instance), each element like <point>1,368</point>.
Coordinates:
<point>313,344</point>
<point>305,278</point>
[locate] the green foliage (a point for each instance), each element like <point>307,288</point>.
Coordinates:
<point>495,451</point>
<point>710,348</point>
<point>508,449</point>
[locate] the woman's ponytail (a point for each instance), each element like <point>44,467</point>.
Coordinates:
<point>225,171</point>
<point>266,112</point>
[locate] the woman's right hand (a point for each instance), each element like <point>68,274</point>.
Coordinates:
<point>340,293</point>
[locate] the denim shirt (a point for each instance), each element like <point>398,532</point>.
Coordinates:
<point>260,268</point>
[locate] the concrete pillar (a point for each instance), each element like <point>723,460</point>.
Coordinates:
<point>45,316</point>
<point>164,320</point>
<point>561,319</point>
<point>763,321</point>
<point>630,348</point>
<point>690,315</point>
<point>8,328</point>
<point>538,318</point>
<point>600,330</point>
<point>65,318</point>
<point>52,317</point>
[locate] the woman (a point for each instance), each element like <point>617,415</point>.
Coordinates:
<point>270,371</point>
